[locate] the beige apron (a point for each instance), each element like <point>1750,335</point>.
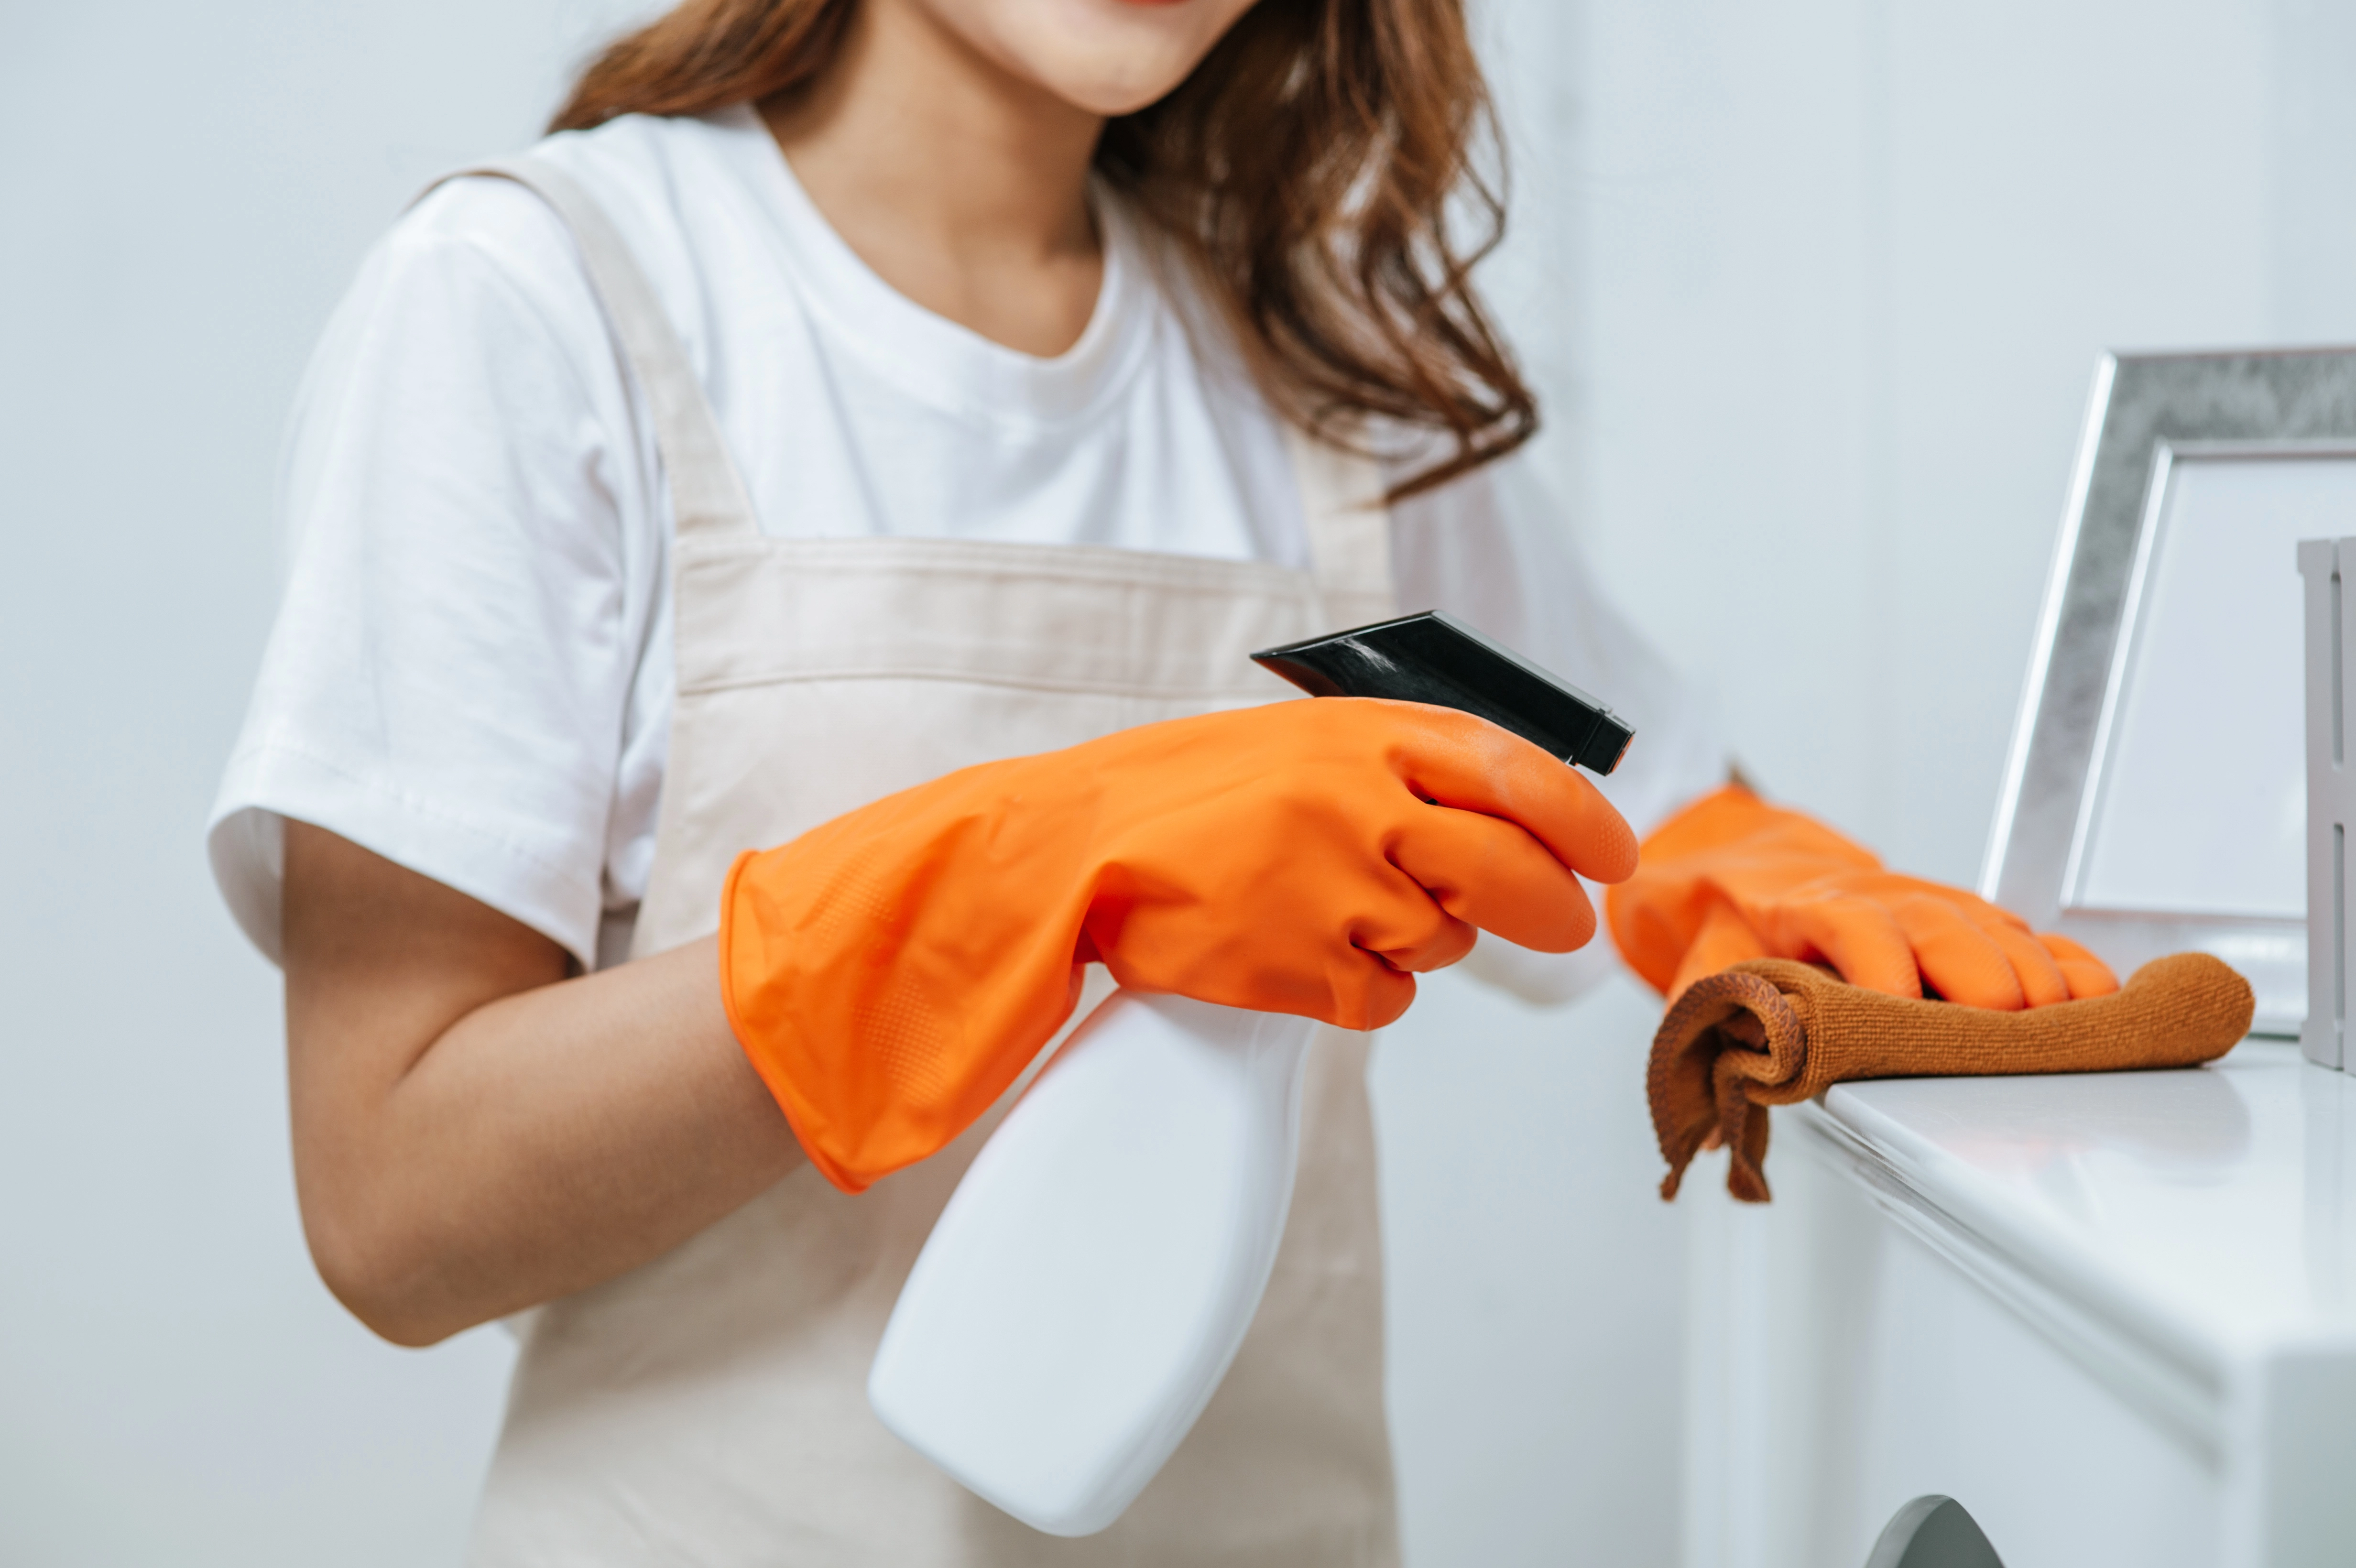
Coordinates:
<point>710,1407</point>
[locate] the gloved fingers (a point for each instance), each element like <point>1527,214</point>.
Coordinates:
<point>2087,974</point>
<point>1487,871</point>
<point>1334,979</point>
<point>1382,911</point>
<point>1724,940</point>
<point>1357,990</point>
<point>2042,983</point>
<point>1369,994</point>
<point>1955,954</point>
<point>1964,969</point>
<point>1420,948</point>
<point>1453,759</point>
<point>2040,979</point>
<point>1857,936</point>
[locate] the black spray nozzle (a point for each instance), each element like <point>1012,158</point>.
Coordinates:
<point>1431,658</point>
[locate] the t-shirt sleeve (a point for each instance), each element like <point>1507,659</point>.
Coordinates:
<point>447,679</point>
<point>1493,549</point>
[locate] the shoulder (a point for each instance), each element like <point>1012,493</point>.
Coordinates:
<point>483,267</point>
<point>657,179</point>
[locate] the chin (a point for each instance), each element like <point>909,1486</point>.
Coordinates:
<point>1108,57</point>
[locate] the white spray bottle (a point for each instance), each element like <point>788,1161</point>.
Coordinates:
<point>1095,1271</point>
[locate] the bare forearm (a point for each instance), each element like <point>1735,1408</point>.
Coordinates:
<point>554,1139</point>
<point>539,1142</point>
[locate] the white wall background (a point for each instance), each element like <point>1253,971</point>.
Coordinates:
<point>1813,291</point>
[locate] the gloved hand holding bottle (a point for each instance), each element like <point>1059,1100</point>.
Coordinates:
<point>892,972</point>
<point>1732,877</point>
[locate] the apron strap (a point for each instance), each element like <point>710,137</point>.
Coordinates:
<point>1349,529</point>
<point>707,495</point>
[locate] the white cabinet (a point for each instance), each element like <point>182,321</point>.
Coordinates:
<point>2113,1315</point>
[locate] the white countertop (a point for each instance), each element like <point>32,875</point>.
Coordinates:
<point>2114,1314</point>
<point>2211,1212</point>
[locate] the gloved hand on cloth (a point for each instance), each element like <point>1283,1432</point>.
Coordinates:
<point>1732,877</point>
<point>1772,1033</point>
<point>891,972</point>
<point>1731,890</point>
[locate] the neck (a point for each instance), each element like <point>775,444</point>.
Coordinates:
<point>916,138</point>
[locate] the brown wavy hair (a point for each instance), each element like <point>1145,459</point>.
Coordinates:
<point>1313,170</point>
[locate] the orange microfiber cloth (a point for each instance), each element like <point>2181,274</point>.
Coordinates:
<point>1773,1031</point>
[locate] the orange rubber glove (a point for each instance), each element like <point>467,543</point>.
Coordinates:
<point>890,973</point>
<point>1732,877</point>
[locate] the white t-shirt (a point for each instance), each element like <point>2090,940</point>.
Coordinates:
<point>471,672</point>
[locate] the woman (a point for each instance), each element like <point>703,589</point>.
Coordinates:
<point>777,567</point>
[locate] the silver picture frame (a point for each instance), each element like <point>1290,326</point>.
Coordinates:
<point>2147,412</point>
